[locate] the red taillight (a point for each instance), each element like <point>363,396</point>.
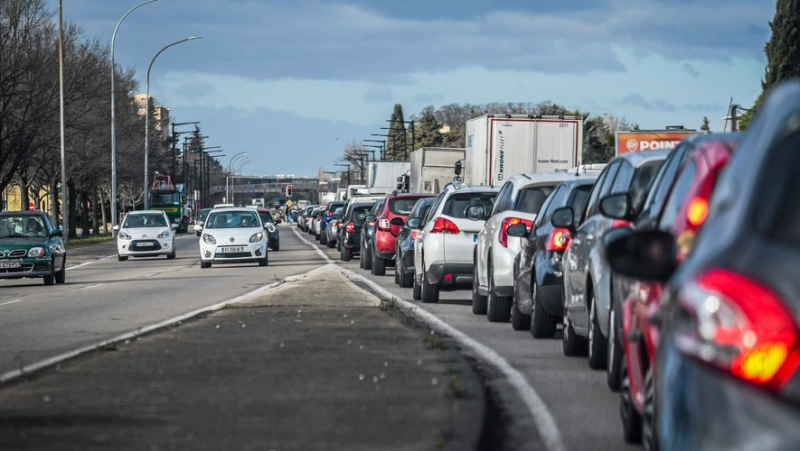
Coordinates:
<point>351,227</point>
<point>697,211</point>
<point>444,225</point>
<point>559,240</point>
<point>508,222</point>
<point>617,223</point>
<point>384,225</point>
<point>334,223</point>
<point>414,234</point>
<point>740,327</point>
<point>329,213</point>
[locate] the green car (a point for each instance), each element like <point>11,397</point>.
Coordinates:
<point>31,246</point>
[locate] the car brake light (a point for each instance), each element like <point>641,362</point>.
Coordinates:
<point>414,234</point>
<point>508,222</point>
<point>384,225</point>
<point>740,327</point>
<point>444,225</point>
<point>559,240</point>
<point>697,211</point>
<point>351,227</point>
<point>329,213</point>
<point>617,223</point>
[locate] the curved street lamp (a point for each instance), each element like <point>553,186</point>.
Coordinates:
<point>147,112</point>
<point>114,123</point>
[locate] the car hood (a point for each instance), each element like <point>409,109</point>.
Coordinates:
<point>23,243</point>
<point>144,232</point>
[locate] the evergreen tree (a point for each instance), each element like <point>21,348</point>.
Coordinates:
<point>426,129</point>
<point>705,127</point>
<point>782,50</point>
<point>396,141</point>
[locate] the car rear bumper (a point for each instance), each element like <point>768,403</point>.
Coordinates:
<point>459,273</point>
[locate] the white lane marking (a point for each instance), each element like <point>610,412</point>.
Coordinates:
<point>106,258</point>
<point>316,248</point>
<point>94,286</point>
<point>27,369</point>
<point>11,302</point>
<point>542,418</point>
<point>78,266</point>
<point>149,275</point>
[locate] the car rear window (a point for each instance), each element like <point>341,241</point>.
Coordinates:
<point>402,206</point>
<point>530,200</point>
<point>456,206</point>
<point>334,205</point>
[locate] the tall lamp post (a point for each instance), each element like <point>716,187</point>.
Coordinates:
<point>348,171</point>
<point>382,146</point>
<point>114,122</point>
<point>174,142</point>
<point>64,208</point>
<point>147,112</point>
<point>231,162</point>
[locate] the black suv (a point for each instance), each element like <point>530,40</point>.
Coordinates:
<point>350,229</point>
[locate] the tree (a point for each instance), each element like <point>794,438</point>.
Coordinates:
<point>396,142</point>
<point>782,50</point>
<point>705,126</point>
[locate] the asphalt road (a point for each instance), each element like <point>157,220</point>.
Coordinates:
<point>585,410</point>
<point>104,298</point>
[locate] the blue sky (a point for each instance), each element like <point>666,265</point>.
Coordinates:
<point>291,82</point>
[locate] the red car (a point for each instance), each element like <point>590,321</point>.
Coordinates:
<point>388,221</point>
<point>682,214</point>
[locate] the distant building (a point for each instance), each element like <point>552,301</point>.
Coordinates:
<point>160,116</point>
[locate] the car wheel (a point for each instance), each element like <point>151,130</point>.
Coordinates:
<point>543,324</point>
<point>649,423</point>
<point>366,258</point>
<point>277,246</point>
<point>339,245</point>
<point>61,276</point>
<point>631,420</point>
<point>498,308</point>
<point>122,258</point>
<point>198,233</point>
<point>614,352</point>
<point>519,320</point>
<point>597,343</point>
<point>378,265</point>
<point>345,254</point>
<point>323,238</point>
<point>205,264</point>
<point>171,255</point>
<point>263,261</point>
<point>430,292</point>
<point>572,343</point>
<point>396,272</point>
<point>478,301</point>
<point>416,290</point>
<point>331,244</point>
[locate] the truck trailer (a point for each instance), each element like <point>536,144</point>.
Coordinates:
<point>501,146</point>
<point>382,175</point>
<point>432,168</point>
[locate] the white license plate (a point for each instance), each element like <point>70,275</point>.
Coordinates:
<point>7,265</point>
<point>146,243</point>
<point>231,249</point>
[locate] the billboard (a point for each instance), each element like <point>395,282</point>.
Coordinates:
<point>635,141</point>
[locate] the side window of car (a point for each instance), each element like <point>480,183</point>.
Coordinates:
<point>677,196</point>
<point>623,178</point>
<point>593,198</point>
<point>436,204</point>
<point>610,178</point>
<point>549,205</point>
<point>503,199</point>
<point>664,178</point>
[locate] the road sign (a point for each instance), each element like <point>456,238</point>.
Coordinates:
<point>289,203</point>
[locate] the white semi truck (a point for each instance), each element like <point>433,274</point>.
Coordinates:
<point>382,175</point>
<point>501,146</point>
<point>432,168</point>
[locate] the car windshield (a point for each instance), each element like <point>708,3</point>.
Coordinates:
<point>232,219</point>
<point>21,226</point>
<point>144,220</point>
<point>456,206</point>
<point>530,200</point>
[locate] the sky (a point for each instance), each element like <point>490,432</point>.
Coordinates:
<point>292,82</point>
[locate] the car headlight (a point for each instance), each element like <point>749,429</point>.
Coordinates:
<point>258,236</point>
<point>164,234</point>
<point>209,239</point>
<point>36,252</point>
<point>124,236</point>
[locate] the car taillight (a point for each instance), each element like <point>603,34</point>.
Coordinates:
<point>697,211</point>
<point>617,223</point>
<point>351,227</point>
<point>414,234</point>
<point>558,240</point>
<point>334,223</point>
<point>741,327</point>
<point>444,225</point>
<point>384,225</point>
<point>508,222</point>
<point>329,213</point>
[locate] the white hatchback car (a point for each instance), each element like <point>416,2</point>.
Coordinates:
<point>233,235</point>
<point>444,246</point>
<point>145,233</point>
<point>518,202</point>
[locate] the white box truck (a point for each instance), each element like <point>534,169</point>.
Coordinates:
<point>432,168</point>
<point>501,146</point>
<point>382,175</point>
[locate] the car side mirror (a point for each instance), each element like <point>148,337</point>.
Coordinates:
<point>518,230</point>
<point>475,213</point>
<point>58,232</point>
<point>413,223</point>
<point>115,228</point>
<point>563,217</point>
<point>616,206</point>
<point>174,226</point>
<point>397,222</point>
<point>361,216</point>
<point>198,227</point>
<point>643,254</point>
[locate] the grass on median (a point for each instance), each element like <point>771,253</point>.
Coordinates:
<point>77,242</point>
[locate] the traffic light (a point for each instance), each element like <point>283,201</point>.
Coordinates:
<point>288,190</point>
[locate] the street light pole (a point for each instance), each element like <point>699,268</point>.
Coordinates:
<point>64,207</point>
<point>147,112</point>
<point>114,123</point>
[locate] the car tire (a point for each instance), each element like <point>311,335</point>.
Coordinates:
<point>61,276</point>
<point>631,420</point>
<point>614,353</point>
<point>405,279</point>
<point>519,320</point>
<point>205,265</point>
<point>339,245</point>
<point>543,324</point>
<point>430,292</point>
<point>345,254</point>
<point>276,247</point>
<point>597,343</point>
<point>323,239</point>
<point>396,275</point>
<point>498,308</point>
<point>478,301</point>
<point>649,422</point>
<point>198,233</point>
<point>366,258</point>
<point>378,265</point>
<point>416,290</point>
<point>263,261</point>
<point>331,244</point>
<point>122,258</point>
<point>171,255</point>
<point>572,344</point>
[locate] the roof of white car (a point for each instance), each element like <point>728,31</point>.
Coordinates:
<point>544,177</point>
<point>141,212</point>
<point>459,188</point>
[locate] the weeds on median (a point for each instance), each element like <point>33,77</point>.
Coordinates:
<point>77,242</point>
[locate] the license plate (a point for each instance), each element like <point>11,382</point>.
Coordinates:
<point>231,249</point>
<point>146,243</point>
<point>474,237</point>
<point>8,265</point>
